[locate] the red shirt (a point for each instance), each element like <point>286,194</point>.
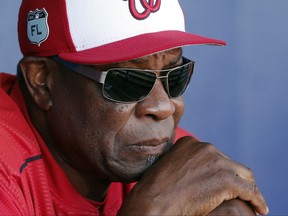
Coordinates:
<point>31,182</point>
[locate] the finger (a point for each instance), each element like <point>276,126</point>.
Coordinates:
<point>235,207</point>
<point>257,201</point>
<point>244,172</point>
<point>238,169</point>
<point>251,193</point>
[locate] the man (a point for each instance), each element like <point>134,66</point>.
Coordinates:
<point>95,107</point>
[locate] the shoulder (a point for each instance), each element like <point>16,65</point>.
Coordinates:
<point>18,147</point>
<point>6,81</point>
<point>17,141</point>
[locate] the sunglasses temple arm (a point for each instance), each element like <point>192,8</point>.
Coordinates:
<point>84,70</point>
<point>91,73</point>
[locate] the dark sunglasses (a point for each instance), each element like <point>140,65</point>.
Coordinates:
<point>127,85</point>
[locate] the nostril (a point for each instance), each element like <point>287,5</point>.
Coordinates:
<point>151,116</point>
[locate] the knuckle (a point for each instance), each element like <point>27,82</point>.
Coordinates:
<point>210,149</point>
<point>187,139</point>
<point>250,172</point>
<point>209,146</point>
<point>255,189</point>
<point>220,163</point>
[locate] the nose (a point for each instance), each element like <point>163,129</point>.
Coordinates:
<point>157,105</point>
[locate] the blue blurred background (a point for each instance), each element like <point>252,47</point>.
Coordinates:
<point>237,98</point>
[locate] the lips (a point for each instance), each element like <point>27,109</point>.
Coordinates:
<point>152,147</point>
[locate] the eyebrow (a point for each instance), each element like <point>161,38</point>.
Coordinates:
<point>172,62</point>
<point>144,59</point>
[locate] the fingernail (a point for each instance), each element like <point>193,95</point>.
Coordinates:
<point>267,210</point>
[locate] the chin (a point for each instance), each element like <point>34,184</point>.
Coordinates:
<point>128,174</point>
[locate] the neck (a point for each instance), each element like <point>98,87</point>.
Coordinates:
<point>85,183</point>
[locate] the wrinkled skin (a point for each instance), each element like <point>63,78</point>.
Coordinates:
<point>88,134</point>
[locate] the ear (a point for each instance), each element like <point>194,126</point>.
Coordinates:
<point>36,75</point>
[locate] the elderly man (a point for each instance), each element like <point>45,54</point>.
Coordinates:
<point>95,107</point>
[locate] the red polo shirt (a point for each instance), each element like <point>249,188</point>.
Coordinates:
<point>31,182</point>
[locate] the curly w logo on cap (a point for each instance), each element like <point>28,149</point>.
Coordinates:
<point>149,7</point>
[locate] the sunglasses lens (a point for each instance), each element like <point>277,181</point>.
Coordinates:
<point>179,79</point>
<point>128,85</point>
<point>124,85</point>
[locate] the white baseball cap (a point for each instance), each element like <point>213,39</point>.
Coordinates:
<point>103,31</point>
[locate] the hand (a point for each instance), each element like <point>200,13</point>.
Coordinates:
<point>233,207</point>
<point>193,178</point>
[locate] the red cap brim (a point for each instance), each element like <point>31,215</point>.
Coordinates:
<point>138,46</point>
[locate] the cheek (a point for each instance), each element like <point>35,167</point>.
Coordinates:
<point>101,123</point>
<point>84,125</point>
<point>100,126</point>
<point>179,108</point>
<point>106,151</point>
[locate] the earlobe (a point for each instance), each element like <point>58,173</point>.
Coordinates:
<point>36,75</point>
